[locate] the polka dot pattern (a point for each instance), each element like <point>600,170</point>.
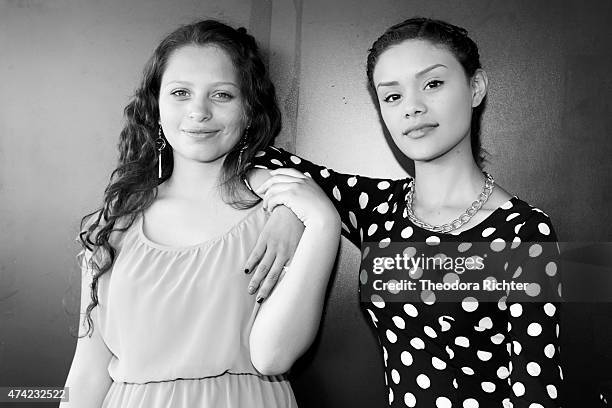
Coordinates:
<point>487,232</point>
<point>438,364</point>
<point>395,376</point>
<point>410,400</point>
<point>488,386</point>
<point>503,373</point>
<point>484,355</point>
<point>544,228</point>
<point>443,402</point>
<point>549,350</point>
<point>469,304</point>
<point>470,403</point>
<point>406,232</point>
<point>519,389</point>
<point>399,322</point>
<point>406,358</point>
<point>462,341</point>
<point>423,381</point>
<point>516,310</point>
<point>503,350</point>
<point>533,369</point>
<point>552,391</point>
<point>430,332</point>
<point>467,370</point>
<point>550,309</point>
<point>411,310</point>
<point>534,329</point>
<point>497,338</point>
<point>551,268</point>
<point>417,343</point>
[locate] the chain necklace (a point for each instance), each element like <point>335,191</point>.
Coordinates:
<point>457,222</point>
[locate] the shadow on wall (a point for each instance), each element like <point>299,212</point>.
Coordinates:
<point>343,368</point>
<point>586,320</point>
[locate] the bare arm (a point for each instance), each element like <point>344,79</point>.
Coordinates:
<point>288,320</point>
<point>275,246</point>
<point>88,378</point>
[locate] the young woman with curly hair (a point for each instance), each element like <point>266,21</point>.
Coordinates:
<point>166,317</point>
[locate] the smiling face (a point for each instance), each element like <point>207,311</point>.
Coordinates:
<point>201,107</point>
<point>425,99</point>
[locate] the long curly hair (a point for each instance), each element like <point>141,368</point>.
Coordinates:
<point>133,184</point>
<point>440,33</point>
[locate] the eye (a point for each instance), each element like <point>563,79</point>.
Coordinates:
<point>181,93</point>
<point>391,98</point>
<point>222,96</point>
<point>433,84</point>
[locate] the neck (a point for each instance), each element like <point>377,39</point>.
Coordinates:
<point>451,180</point>
<point>194,180</point>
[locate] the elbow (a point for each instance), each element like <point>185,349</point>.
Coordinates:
<point>87,388</point>
<point>270,359</point>
<point>269,367</point>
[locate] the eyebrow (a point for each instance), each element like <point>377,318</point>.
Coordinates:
<point>418,74</point>
<point>213,84</point>
<point>426,70</point>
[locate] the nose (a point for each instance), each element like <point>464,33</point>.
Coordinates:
<point>199,111</point>
<point>413,105</point>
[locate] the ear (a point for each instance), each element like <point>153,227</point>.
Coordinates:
<point>479,84</point>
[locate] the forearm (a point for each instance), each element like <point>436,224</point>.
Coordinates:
<point>536,374</point>
<point>288,320</point>
<point>86,389</point>
<point>88,380</point>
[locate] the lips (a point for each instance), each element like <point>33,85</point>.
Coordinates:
<point>200,132</point>
<point>420,130</point>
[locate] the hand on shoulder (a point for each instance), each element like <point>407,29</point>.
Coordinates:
<point>302,195</point>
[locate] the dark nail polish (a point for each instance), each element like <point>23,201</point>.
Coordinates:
<point>260,299</point>
<point>246,270</point>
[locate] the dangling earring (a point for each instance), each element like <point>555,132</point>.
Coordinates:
<point>160,144</point>
<point>244,145</point>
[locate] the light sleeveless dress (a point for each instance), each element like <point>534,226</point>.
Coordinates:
<point>177,321</point>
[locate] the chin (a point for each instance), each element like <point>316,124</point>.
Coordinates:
<point>422,150</point>
<point>203,156</point>
<point>420,153</point>
<point>211,158</point>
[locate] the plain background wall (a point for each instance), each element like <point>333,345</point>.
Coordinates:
<point>67,68</point>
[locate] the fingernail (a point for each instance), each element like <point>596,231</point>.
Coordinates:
<point>260,299</point>
<point>251,290</point>
<point>246,270</point>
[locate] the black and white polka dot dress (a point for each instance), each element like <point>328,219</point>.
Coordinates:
<point>499,350</point>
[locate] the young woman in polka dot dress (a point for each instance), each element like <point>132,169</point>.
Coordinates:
<point>469,353</point>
